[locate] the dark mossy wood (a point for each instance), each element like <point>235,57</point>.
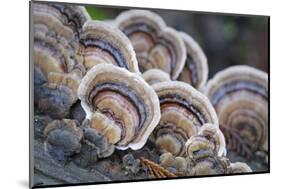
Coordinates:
<point>69,173</point>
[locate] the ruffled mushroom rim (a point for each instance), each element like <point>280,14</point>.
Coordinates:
<point>236,86</point>
<point>70,125</point>
<point>239,167</point>
<point>237,78</point>
<point>199,105</point>
<point>76,15</point>
<point>214,135</point>
<point>53,51</point>
<point>153,76</point>
<point>151,24</point>
<point>177,99</point>
<point>178,133</point>
<point>105,46</point>
<point>72,16</point>
<point>143,27</point>
<point>216,164</point>
<point>204,149</point>
<point>56,47</point>
<point>97,35</point>
<point>195,63</point>
<point>192,69</point>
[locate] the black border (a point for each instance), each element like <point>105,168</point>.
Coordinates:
<point>31,113</point>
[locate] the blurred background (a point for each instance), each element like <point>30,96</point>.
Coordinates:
<point>226,39</point>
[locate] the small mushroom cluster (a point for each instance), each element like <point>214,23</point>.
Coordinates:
<point>57,72</point>
<point>204,155</point>
<point>67,140</point>
<point>113,85</point>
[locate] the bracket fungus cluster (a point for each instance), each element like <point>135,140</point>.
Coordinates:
<point>240,97</point>
<point>102,43</point>
<point>57,70</point>
<point>156,45</point>
<point>63,139</point>
<point>183,111</point>
<point>66,139</point>
<point>204,155</point>
<point>106,90</point>
<point>119,104</point>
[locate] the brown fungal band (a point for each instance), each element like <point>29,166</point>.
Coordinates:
<point>120,105</point>
<point>195,71</point>
<point>52,48</point>
<point>179,101</point>
<point>183,111</point>
<point>191,69</point>
<point>232,87</point>
<point>75,16</point>
<point>169,137</point>
<point>122,91</point>
<point>49,55</point>
<point>104,46</point>
<point>156,45</point>
<point>102,43</point>
<point>140,28</point>
<point>240,97</point>
<point>65,20</point>
<point>53,53</point>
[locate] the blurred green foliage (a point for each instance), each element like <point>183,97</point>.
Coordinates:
<point>226,39</point>
<point>230,30</point>
<point>97,13</point>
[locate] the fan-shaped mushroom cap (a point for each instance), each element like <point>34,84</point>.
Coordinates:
<point>240,97</point>
<point>195,71</point>
<point>53,53</point>
<point>208,142</point>
<point>102,43</point>
<point>55,60</point>
<point>62,139</point>
<point>181,164</point>
<point>70,80</point>
<point>156,45</point>
<point>183,111</point>
<point>94,146</point>
<point>213,133</point>
<point>65,20</point>
<point>153,76</point>
<point>240,167</point>
<point>167,159</point>
<point>58,95</point>
<point>120,105</point>
<point>210,166</point>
